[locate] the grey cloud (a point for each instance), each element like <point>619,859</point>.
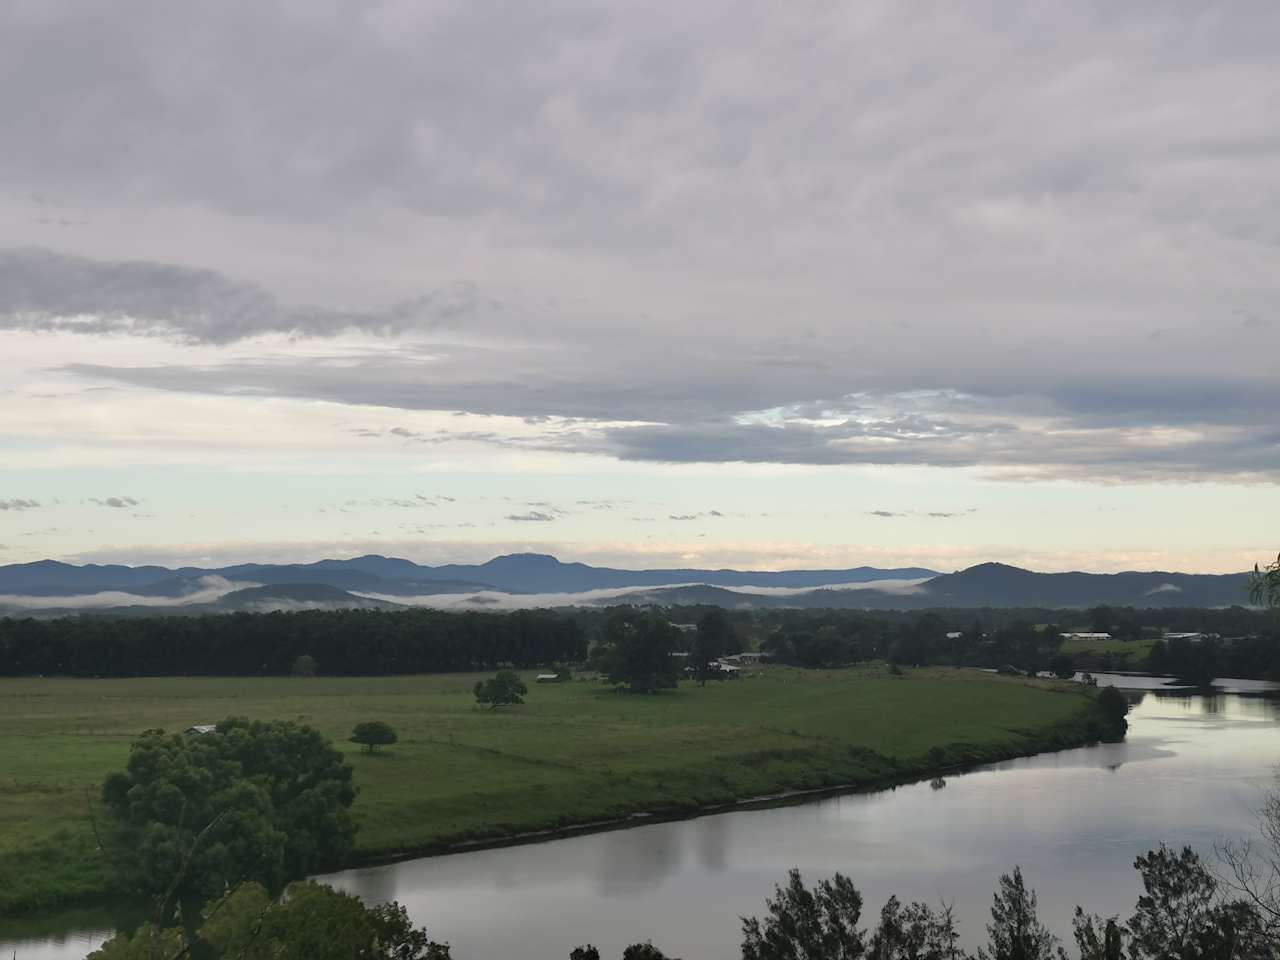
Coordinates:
<point>18,504</point>
<point>417,501</point>
<point>1060,265</point>
<point>118,503</point>
<point>45,290</point>
<point>533,516</point>
<point>1083,436</point>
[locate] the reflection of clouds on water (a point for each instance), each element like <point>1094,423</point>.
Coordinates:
<point>374,885</point>
<point>713,842</point>
<point>633,861</point>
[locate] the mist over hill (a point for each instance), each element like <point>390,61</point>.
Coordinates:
<point>535,580</point>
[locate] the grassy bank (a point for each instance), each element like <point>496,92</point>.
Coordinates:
<point>1124,654</point>
<point>575,753</point>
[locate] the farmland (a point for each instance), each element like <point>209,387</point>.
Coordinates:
<point>574,753</point>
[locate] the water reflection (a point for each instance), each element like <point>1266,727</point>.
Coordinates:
<point>1193,770</point>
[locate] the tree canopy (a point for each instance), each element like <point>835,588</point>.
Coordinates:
<point>372,734</point>
<point>637,650</point>
<point>345,642</point>
<point>261,801</point>
<point>710,643</point>
<point>503,689</point>
<point>314,921</point>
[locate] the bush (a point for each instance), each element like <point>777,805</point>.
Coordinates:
<point>505,688</point>
<point>1114,707</point>
<point>373,734</point>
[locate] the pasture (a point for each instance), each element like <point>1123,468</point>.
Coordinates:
<point>574,753</point>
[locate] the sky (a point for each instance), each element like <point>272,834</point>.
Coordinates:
<point>763,285</point>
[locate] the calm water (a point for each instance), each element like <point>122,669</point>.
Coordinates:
<point>1192,771</point>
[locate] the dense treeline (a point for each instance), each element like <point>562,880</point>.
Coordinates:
<point>1255,657</point>
<point>370,642</point>
<point>342,643</point>
<point>1028,639</point>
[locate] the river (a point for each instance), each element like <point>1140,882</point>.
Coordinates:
<point>1192,771</point>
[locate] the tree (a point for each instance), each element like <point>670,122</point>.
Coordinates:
<point>504,688</point>
<point>643,951</point>
<point>313,921</point>
<point>914,932</point>
<point>1015,931</point>
<point>585,953</point>
<point>1253,867</point>
<point>779,648</point>
<point>1098,939</point>
<point>148,942</point>
<point>803,924</point>
<point>373,734</point>
<point>637,651</point>
<point>709,643</point>
<point>1063,666</point>
<point>1182,915</point>
<point>1264,588</point>
<point>1114,707</point>
<point>251,801</point>
<point>304,666</point>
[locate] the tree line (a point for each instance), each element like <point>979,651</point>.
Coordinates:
<point>830,638</point>
<point>336,643</point>
<point>372,642</point>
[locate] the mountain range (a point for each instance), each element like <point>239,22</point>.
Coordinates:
<point>512,573</point>
<point>528,579</point>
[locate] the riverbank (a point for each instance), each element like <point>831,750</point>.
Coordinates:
<point>575,756</point>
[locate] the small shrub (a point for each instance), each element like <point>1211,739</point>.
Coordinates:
<point>373,734</point>
<point>504,688</point>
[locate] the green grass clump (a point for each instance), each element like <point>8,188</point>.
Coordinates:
<point>575,753</point>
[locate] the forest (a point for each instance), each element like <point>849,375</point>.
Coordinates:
<point>379,643</point>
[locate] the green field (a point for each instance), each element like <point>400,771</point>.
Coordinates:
<point>574,753</point>
<point>1128,654</point>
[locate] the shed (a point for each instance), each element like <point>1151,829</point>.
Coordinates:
<point>200,728</point>
<point>548,678</point>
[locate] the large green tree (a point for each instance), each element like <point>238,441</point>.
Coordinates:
<point>313,922</point>
<point>638,650</point>
<point>194,815</point>
<point>503,689</point>
<point>710,643</point>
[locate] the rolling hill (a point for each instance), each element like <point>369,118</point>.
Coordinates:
<point>539,580</point>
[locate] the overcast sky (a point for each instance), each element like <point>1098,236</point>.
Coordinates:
<point>752,284</point>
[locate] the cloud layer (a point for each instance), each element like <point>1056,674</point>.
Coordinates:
<point>1032,244</point>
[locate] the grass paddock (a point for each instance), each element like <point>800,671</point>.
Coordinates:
<point>573,753</point>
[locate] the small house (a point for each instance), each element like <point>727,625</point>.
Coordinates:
<point>200,728</point>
